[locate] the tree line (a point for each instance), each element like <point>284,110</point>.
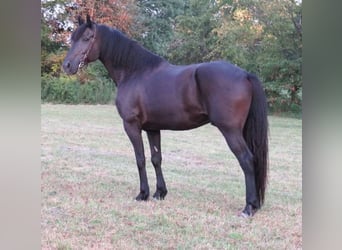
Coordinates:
<point>261,36</point>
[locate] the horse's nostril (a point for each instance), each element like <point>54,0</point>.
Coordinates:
<point>66,65</point>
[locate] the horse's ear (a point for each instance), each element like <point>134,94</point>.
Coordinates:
<point>89,23</point>
<point>80,20</point>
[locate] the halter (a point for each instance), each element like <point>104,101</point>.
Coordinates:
<point>90,46</point>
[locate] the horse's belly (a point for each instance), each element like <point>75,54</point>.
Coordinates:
<point>178,121</point>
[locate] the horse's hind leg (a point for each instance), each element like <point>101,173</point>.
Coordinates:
<point>239,147</point>
<point>156,158</point>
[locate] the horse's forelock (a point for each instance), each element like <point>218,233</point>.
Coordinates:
<point>80,20</point>
<point>89,22</point>
<point>78,32</point>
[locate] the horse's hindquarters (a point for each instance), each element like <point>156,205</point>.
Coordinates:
<point>226,93</point>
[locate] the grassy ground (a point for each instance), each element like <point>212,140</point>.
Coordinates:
<point>89,180</point>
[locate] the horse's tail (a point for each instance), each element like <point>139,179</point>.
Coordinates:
<point>255,133</point>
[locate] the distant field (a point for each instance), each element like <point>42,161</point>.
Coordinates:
<point>89,181</point>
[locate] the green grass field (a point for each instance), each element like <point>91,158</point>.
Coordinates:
<point>89,180</point>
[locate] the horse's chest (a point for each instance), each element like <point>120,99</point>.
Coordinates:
<point>127,104</point>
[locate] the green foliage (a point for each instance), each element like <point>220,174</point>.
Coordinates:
<point>280,55</point>
<point>52,52</point>
<point>157,19</point>
<point>69,90</point>
<point>193,33</point>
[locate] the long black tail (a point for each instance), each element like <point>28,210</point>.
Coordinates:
<point>255,133</point>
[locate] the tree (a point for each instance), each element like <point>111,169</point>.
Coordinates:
<point>50,46</point>
<point>193,32</point>
<point>280,57</point>
<point>157,21</point>
<point>239,34</point>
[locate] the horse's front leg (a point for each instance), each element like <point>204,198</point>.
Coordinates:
<point>134,133</point>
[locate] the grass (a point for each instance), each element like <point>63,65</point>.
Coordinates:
<point>89,180</point>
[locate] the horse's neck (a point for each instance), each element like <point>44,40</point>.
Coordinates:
<point>131,60</point>
<point>117,74</point>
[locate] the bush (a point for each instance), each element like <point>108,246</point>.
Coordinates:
<point>69,90</point>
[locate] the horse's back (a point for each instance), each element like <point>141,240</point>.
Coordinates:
<point>221,74</point>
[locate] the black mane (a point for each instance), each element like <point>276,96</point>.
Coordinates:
<point>125,53</point>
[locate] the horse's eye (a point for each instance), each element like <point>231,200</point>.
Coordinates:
<point>85,39</point>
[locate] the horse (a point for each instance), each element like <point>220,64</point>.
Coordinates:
<point>155,95</point>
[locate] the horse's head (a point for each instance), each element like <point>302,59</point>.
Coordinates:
<point>84,46</point>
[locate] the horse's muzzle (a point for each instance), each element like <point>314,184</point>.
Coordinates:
<point>69,67</point>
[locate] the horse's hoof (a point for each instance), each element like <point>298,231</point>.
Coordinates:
<point>160,194</point>
<point>142,197</point>
<point>244,215</point>
<point>158,197</point>
<point>248,212</point>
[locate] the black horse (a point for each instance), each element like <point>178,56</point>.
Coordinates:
<point>153,94</point>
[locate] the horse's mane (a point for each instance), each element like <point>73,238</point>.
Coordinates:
<point>124,52</point>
